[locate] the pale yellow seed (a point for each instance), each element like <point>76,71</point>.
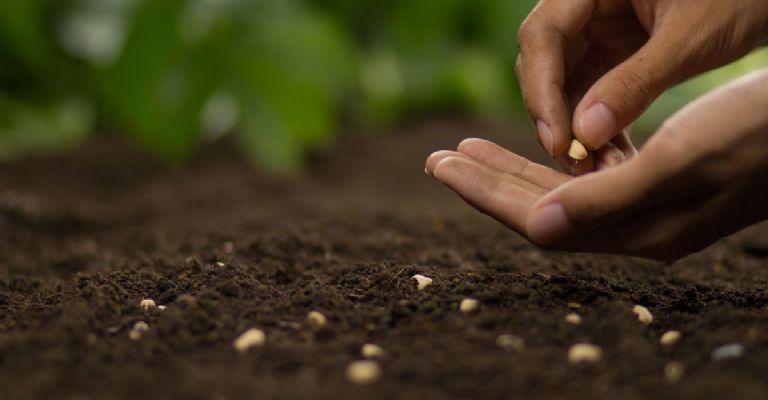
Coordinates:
<point>147,304</point>
<point>577,151</point>
<point>422,281</point>
<point>370,350</point>
<point>508,342</point>
<point>138,330</point>
<point>670,338</point>
<point>673,371</point>
<point>251,338</point>
<point>317,319</point>
<point>584,352</point>
<point>363,372</point>
<point>469,305</point>
<point>574,306</point>
<point>573,318</point>
<point>643,315</point>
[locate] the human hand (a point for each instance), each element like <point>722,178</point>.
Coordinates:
<point>702,176</point>
<point>591,67</point>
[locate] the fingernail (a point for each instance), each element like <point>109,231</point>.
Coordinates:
<point>545,137</point>
<point>597,124</point>
<point>426,171</point>
<point>549,223</point>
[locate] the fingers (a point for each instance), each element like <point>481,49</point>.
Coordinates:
<point>544,38</point>
<point>504,160</point>
<point>490,191</point>
<point>623,93</point>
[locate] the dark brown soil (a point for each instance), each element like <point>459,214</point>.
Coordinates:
<point>86,235</point>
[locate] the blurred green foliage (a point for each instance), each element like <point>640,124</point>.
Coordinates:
<point>279,75</point>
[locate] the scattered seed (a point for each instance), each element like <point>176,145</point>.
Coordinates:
<point>147,304</point>
<point>733,350</point>
<point>584,352</point>
<point>161,307</point>
<point>363,372</point>
<point>574,306</point>
<point>137,330</point>
<point>577,151</point>
<point>469,305</point>
<point>673,371</point>
<point>573,318</point>
<point>670,338</point>
<point>370,350</point>
<point>220,264</point>
<point>251,338</point>
<point>643,315</point>
<point>316,319</point>
<point>422,281</point>
<point>509,342</point>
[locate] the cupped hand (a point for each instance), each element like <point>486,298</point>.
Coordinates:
<point>588,68</point>
<point>702,176</point>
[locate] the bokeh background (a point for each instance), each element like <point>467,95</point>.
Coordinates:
<point>281,76</point>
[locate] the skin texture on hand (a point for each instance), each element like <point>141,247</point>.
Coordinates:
<point>702,176</point>
<point>588,68</point>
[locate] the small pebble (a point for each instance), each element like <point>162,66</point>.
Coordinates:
<point>316,319</point>
<point>670,338</point>
<point>422,281</point>
<point>147,304</point>
<point>251,338</point>
<point>468,305</point>
<point>363,372</point>
<point>137,330</point>
<point>573,318</point>
<point>370,350</point>
<point>509,342</point>
<point>643,315</point>
<point>584,352</point>
<point>728,351</point>
<point>673,371</point>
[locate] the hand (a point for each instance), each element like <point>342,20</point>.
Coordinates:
<point>702,176</point>
<point>591,67</point>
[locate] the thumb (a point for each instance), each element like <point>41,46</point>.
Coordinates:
<point>625,92</point>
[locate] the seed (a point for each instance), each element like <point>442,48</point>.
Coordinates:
<point>220,264</point>
<point>673,371</point>
<point>509,342</point>
<point>469,305</point>
<point>643,315</point>
<point>137,330</point>
<point>147,304</point>
<point>250,338</point>
<point>370,350</point>
<point>422,281</point>
<point>574,306</point>
<point>733,350</point>
<point>584,352</point>
<point>363,372</point>
<point>573,318</point>
<point>316,318</point>
<point>161,307</point>
<point>577,151</point>
<point>669,338</point>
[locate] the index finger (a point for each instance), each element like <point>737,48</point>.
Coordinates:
<point>543,40</point>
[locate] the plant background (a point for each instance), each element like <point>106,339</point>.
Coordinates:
<point>281,76</point>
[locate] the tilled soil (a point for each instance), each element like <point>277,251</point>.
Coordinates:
<point>85,236</point>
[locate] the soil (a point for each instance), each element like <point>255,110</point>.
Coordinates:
<point>84,236</point>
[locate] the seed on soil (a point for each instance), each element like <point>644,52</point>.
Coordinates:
<point>220,264</point>
<point>728,351</point>
<point>584,352</point>
<point>422,281</point>
<point>574,306</point>
<point>577,151</point>
<point>573,318</point>
<point>161,307</point>
<point>643,315</point>
<point>370,350</point>
<point>363,372</point>
<point>469,305</point>
<point>670,338</point>
<point>316,319</point>
<point>147,304</point>
<point>137,330</point>
<point>673,371</point>
<point>251,338</point>
<point>509,342</point>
